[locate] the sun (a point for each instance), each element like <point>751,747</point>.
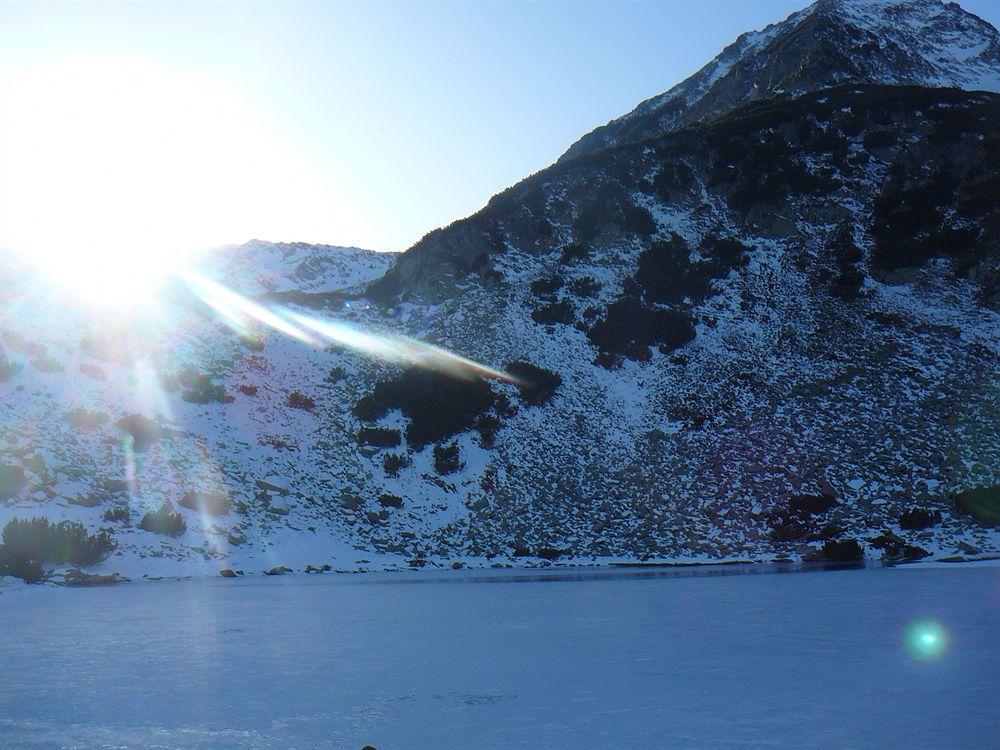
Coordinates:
<point>115,173</point>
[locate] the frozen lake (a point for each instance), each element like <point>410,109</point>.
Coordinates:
<point>468,661</point>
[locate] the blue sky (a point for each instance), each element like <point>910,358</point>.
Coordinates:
<point>393,118</point>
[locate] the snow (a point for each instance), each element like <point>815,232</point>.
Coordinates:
<point>589,659</point>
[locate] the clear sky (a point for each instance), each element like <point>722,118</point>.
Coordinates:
<point>355,124</point>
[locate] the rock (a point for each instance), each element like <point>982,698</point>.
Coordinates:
<point>235,538</point>
<point>457,565</point>
<point>826,489</point>
<point>278,570</point>
<point>210,503</point>
<point>76,577</point>
<point>273,484</point>
<point>549,553</point>
<point>968,549</point>
<point>907,553</point>
<point>278,506</point>
<point>227,573</point>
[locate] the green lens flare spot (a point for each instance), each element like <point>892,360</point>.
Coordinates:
<point>926,639</point>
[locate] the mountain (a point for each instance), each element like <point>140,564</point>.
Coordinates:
<point>830,43</point>
<point>768,331</point>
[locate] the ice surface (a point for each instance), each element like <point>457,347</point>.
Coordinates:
<point>702,659</point>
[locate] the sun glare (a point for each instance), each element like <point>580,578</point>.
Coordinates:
<point>113,174</point>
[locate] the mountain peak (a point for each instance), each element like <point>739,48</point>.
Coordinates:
<point>832,42</point>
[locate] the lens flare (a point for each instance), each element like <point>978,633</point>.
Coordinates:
<point>926,639</point>
<point>240,313</point>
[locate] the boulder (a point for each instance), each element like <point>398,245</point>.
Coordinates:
<point>278,570</point>
<point>227,573</point>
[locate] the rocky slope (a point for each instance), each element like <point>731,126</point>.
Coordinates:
<point>770,332</point>
<point>832,42</point>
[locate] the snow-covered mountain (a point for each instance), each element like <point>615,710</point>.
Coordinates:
<point>832,42</point>
<point>772,332</point>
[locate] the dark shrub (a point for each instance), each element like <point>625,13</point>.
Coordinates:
<point>906,214</point>
<point>200,388</point>
<point>368,409</point>
<point>585,286</point>
<point>29,571</point>
<point>93,371</point>
<point>164,521</point>
<point>611,207</point>
<point>387,500</point>
<point>787,529</point>
<point>982,503</point>
<point>843,550</point>
<point>536,384</point>
<point>336,374</point>
<point>247,390</point>
<point>40,541</point>
<point>549,285</point>
<point>810,505</point>
<point>487,426</point>
<point>118,514</point>
<point>104,347</point>
<point>144,431</point>
<point>210,503</point>
<point>446,459</point>
<point>86,420</point>
<point>918,519</point>
<point>393,462</point>
<point>47,364</point>
<point>672,178</point>
<point>549,553</point>
<point>206,393</point>
<point>573,252</point>
<point>879,139</point>
<point>381,437</point>
<point>437,405</point>
<point>298,400</point>
<point>554,312</point>
<point>8,369</point>
<point>629,327</point>
<point>12,480</point>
